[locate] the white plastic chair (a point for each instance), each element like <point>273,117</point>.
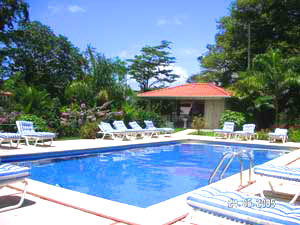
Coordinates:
<point>280,134</point>
<point>247,132</point>
<point>227,129</point>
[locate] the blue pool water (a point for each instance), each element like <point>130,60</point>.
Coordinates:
<point>141,177</point>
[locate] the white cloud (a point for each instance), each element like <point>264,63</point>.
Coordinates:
<point>175,20</point>
<point>125,54</point>
<point>133,84</point>
<point>75,8</point>
<point>161,22</point>
<point>183,75</point>
<point>54,8</point>
<point>178,20</point>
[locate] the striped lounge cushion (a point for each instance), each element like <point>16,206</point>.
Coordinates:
<point>45,134</point>
<point>10,136</point>
<point>10,172</point>
<point>39,134</point>
<point>242,207</point>
<point>282,172</point>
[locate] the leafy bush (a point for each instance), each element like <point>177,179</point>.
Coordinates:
<point>89,130</point>
<point>39,123</point>
<point>198,123</point>
<point>71,129</point>
<point>263,134</point>
<point>231,116</point>
<point>153,116</point>
<point>294,134</point>
<point>7,121</point>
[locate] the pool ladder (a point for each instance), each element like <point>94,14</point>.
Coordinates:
<point>232,154</point>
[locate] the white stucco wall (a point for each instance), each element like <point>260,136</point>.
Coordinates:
<point>212,112</point>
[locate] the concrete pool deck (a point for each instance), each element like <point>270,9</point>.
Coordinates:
<point>47,204</point>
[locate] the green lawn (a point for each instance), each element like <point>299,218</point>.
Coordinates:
<point>178,129</point>
<point>203,133</point>
<point>67,138</point>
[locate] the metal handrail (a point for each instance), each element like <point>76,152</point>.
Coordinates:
<point>226,166</point>
<point>218,166</point>
<point>232,154</point>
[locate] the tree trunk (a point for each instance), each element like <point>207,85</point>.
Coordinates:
<point>276,111</point>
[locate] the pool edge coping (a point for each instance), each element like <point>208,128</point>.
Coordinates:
<point>167,141</point>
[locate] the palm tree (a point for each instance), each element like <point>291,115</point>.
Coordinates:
<point>271,76</point>
<point>33,100</point>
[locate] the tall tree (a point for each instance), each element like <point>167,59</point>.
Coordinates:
<point>252,27</point>
<point>104,80</point>
<point>271,77</point>
<point>151,68</point>
<point>11,12</point>
<point>45,60</point>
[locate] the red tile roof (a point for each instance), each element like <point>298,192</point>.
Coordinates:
<point>188,90</point>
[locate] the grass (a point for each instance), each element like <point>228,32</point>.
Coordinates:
<point>203,133</point>
<point>178,129</point>
<point>67,138</point>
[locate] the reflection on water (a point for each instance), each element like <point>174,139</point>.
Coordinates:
<point>142,176</point>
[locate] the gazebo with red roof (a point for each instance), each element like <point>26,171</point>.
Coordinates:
<point>194,99</point>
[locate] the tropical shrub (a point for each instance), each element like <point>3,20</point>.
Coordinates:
<point>32,100</point>
<point>7,120</point>
<point>198,123</point>
<point>263,134</point>
<point>71,129</point>
<point>294,134</point>
<point>89,130</point>
<point>231,116</point>
<point>153,116</point>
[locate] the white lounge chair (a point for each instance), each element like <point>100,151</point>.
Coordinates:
<point>247,132</point>
<point>9,174</point>
<point>290,175</point>
<point>241,207</point>
<point>5,137</point>
<point>165,130</point>
<point>26,130</point>
<point>280,134</point>
<point>227,130</point>
<point>151,132</point>
<point>120,126</point>
<point>107,130</point>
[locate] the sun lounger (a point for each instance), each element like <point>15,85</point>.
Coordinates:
<point>247,132</point>
<point>227,129</point>
<point>120,126</point>
<point>280,134</point>
<point>26,130</point>
<point>165,130</point>
<point>10,174</point>
<point>4,137</point>
<point>107,130</point>
<point>242,207</point>
<point>151,132</point>
<point>288,174</point>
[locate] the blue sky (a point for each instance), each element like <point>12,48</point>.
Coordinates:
<point>122,27</point>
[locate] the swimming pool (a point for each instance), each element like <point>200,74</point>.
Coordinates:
<point>141,176</point>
